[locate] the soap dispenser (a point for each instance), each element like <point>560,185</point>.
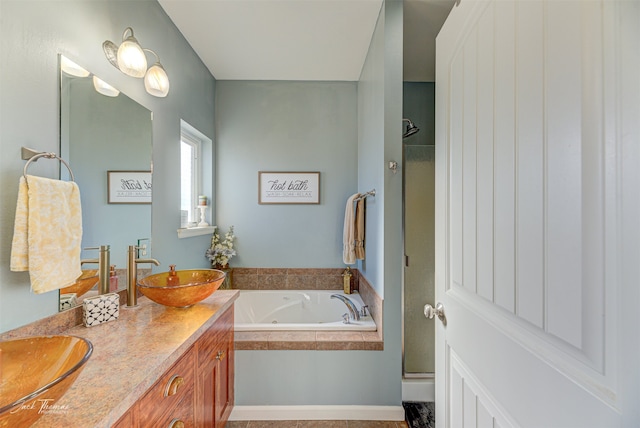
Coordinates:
<point>346,280</point>
<point>173,279</point>
<point>113,279</point>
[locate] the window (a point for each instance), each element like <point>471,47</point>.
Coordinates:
<point>196,173</point>
<point>190,174</point>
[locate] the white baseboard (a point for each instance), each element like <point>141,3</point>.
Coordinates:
<point>307,413</point>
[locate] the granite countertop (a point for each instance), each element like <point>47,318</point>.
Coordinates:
<point>129,356</point>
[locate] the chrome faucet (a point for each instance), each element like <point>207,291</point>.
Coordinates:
<point>132,274</point>
<point>103,267</point>
<point>353,309</point>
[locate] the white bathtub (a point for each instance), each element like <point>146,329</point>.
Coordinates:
<point>258,310</point>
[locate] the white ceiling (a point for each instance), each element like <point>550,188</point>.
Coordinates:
<point>318,40</point>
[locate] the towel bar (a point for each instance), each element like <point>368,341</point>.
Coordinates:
<point>31,155</point>
<point>364,195</point>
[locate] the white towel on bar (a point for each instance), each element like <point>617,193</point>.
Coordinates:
<point>47,233</point>
<point>349,233</point>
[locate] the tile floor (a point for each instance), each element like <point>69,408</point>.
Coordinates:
<point>316,424</point>
<point>420,414</point>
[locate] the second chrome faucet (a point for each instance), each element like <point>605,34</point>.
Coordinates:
<point>132,274</point>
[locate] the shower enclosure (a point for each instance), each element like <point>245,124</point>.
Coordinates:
<point>418,288</point>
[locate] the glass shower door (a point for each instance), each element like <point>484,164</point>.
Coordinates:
<point>419,204</point>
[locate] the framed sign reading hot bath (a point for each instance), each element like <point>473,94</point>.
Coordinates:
<point>288,187</point>
<point>129,187</point>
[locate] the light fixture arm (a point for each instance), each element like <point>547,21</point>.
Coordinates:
<point>124,33</point>
<point>155,54</point>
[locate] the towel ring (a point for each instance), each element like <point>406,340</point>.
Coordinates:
<point>47,156</point>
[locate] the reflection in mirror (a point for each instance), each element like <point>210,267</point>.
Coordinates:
<point>104,130</point>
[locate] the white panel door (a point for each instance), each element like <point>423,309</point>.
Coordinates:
<point>536,192</point>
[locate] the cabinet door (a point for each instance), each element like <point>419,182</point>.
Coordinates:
<point>171,397</point>
<point>215,367</point>
<point>223,381</point>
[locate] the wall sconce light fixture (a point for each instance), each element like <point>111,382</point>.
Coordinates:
<point>156,81</point>
<point>130,58</point>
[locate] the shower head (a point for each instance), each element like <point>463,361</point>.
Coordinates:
<point>411,128</point>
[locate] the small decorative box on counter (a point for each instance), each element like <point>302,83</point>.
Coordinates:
<point>100,309</point>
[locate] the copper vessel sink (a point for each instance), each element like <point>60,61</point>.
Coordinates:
<point>37,371</point>
<point>193,286</point>
<point>84,283</point>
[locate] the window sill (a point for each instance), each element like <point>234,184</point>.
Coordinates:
<point>195,231</point>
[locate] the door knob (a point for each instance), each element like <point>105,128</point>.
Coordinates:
<point>430,312</point>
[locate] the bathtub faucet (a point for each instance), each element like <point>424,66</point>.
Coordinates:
<point>353,309</point>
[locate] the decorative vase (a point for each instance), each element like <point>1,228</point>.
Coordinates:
<point>227,284</point>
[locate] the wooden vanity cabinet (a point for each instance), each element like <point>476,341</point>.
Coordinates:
<point>126,421</point>
<point>216,372</point>
<point>197,391</point>
<point>171,398</point>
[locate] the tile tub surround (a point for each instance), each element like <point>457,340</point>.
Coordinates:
<point>289,278</point>
<point>308,279</point>
<point>308,341</point>
<point>130,355</point>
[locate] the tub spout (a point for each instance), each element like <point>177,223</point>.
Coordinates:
<point>353,309</point>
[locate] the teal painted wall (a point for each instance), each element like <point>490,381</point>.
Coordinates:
<point>33,33</point>
<point>285,126</point>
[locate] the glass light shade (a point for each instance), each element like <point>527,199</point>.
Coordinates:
<point>156,81</point>
<point>71,68</point>
<point>131,58</point>
<point>104,88</point>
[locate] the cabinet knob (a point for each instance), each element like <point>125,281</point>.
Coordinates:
<point>172,386</point>
<point>221,355</point>
<point>176,423</point>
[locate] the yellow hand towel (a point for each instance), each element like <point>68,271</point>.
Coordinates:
<point>348,234</point>
<point>47,233</point>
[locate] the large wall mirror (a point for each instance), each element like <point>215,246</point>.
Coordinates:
<point>101,131</point>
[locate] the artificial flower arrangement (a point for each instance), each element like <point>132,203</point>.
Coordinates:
<point>221,252</point>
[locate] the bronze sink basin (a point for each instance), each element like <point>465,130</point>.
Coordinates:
<point>84,283</point>
<point>36,372</point>
<point>193,286</point>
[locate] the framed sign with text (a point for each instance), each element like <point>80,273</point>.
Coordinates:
<point>288,187</point>
<point>129,187</point>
